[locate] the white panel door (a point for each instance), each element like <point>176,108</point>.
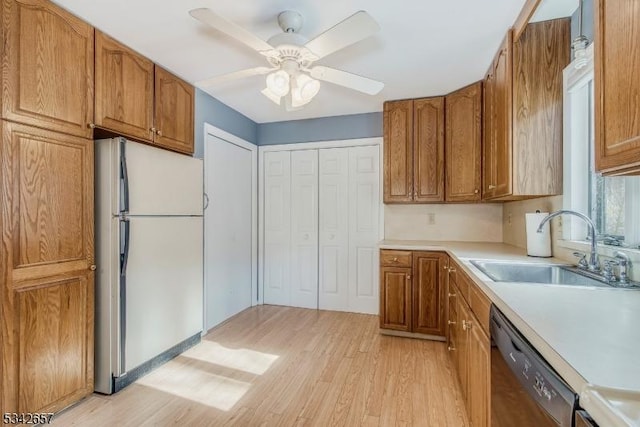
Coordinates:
<point>364,208</point>
<point>333,256</point>
<point>163,296</point>
<point>162,182</point>
<point>228,230</point>
<point>277,228</point>
<point>304,228</point>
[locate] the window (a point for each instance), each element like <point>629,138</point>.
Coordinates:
<point>613,203</point>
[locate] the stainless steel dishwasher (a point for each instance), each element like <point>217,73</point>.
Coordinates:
<point>525,390</point>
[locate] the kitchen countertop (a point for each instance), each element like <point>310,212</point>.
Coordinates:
<point>591,336</point>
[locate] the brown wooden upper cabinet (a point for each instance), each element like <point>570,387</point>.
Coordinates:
<point>414,150</point>
<point>617,87</point>
<point>47,61</point>
<point>124,89</point>
<point>463,147</point>
<point>174,105</point>
<point>138,99</point>
<point>522,154</point>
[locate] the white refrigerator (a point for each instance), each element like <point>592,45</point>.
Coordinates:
<point>149,253</point>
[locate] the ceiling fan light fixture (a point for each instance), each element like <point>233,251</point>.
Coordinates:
<point>278,83</point>
<point>308,87</point>
<point>272,96</point>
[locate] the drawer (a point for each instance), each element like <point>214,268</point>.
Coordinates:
<point>390,258</point>
<point>480,305</point>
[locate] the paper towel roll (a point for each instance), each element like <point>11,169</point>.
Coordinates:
<point>538,244</point>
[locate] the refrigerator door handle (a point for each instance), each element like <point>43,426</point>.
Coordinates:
<point>124,258</point>
<point>206,201</point>
<point>124,178</point>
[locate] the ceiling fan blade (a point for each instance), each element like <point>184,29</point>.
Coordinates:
<point>358,26</point>
<point>342,78</point>
<point>207,16</point>
<point>272,96</point>
<point>213,81</point>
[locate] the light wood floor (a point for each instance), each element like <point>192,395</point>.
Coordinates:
<point>289,367</point>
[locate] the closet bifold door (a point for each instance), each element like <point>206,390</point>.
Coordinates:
<point>304,228</point>
<point>333,271</point>
<point>277,228</point>
<point>364,228</point>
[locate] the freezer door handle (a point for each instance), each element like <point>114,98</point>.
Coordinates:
<point>125,229</point>
<point>124,178</point>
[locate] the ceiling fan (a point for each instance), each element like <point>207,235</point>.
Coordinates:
<point>291,76</point>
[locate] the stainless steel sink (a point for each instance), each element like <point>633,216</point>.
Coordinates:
<point>504,271</point>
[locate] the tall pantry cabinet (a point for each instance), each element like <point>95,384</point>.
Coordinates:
<point>46,182</point>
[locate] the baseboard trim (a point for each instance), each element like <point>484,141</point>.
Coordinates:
<point>123,381</point>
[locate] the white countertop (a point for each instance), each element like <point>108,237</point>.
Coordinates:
<point>590,336</point>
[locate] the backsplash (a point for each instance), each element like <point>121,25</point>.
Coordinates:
<point>451,222</point>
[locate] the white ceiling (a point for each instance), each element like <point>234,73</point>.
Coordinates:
<point>425,47</point>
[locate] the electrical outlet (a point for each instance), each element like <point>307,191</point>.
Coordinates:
<point>431,218</point>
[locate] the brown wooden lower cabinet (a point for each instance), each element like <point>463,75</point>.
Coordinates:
<point>47,275</point>
<point>470,351</point>
<point>412,285</point>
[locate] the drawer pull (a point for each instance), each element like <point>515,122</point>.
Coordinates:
<point>452,295</point>
<point>451,322</point>
<point>452,270</point>
<point>395,259</point>
<point>451,348</point>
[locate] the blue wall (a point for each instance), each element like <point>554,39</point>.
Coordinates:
<point>587,21</point>
<point>210,110</point>
<point>321,129</point>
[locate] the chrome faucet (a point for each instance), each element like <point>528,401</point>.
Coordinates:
<point>625,265</point>
<point>593,264</point>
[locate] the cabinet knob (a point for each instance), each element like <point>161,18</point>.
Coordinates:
<point>476,191</point>
<point>451,348</point>
<point>408,277</point>
<point>91,125</point>
<point>159,132</point>
<point>452,295</point>
<point>451,322</point>
<point>491,187</point>
<point>93,267</point>
<point>395,259</point>
<point>452,270</point>
<point>446,267</point>
<point>466,325</point>
<point>153,130</point>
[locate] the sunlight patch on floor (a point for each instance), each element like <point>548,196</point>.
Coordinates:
<point>194,384</point>
<point>251,361</point>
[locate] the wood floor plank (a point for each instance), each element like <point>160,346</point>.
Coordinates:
<point>283,366</point>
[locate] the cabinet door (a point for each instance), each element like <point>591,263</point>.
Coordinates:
<point>479,361</point>
<point>428,292</point>
<point>395,298</point>
<point>124,89</point>
<point>461,356</point>
<point>173,115</point>
<point>428,150</point>
<point>617,86</point>
<point>502,120</point>
<point>464,144</point>
<point>398,151</point>
<point>47,60</point>
<point>47,276</point>
<point>488,136</point>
